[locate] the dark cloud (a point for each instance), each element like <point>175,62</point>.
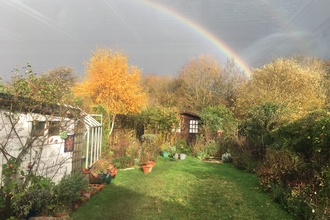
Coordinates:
<point>53,33</point>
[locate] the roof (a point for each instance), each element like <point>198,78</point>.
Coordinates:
<point>191,115</point>
<point>23,104</point>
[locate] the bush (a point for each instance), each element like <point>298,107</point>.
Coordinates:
<point>68,189</point>
<point>248,155</point>
<point>279,167</point>
<point>218,118</point>
<point>182,147</point>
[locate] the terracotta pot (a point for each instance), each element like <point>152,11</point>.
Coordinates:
<point>86,195</point>
<point>83,200</point>
<point>146,168</point>
<point>76,205</point>
<point>94,191</point>
<point>102,186</point>
<point>151,164</point>
<point>98,187</point>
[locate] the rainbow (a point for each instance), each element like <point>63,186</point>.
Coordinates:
<point>203,32</point>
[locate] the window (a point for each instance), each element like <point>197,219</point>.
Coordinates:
<point>193,126</point>
<point>54,128</point>
<point>38,128</point>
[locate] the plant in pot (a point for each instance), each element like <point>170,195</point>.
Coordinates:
<point>166,149</point>
<point>68,191</point>
<point>182,148</point>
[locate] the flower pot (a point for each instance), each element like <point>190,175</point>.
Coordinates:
<point>182,156</point>
<point>95,187</point>
<point>151,164</point>
<point>165,153</point>
<point>83,200</point>
<point>176,156</point>
<point>76,205</point>
<point>146,168</point>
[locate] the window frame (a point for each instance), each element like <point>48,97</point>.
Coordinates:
<point>193,126</point>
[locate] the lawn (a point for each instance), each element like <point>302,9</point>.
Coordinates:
<point>183,189</point>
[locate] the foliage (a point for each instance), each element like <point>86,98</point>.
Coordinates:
<point>207,149</point>
<point>247,154</point>
<point>125,162</point>
<point>34,200</point>
<point>279,167</point>
<point>68,189</point>
<point>161,90</point>
<point>232,78</point>
<point>261,121</point>
<point>285,82</point>
<point>297,164</point>
<point>28,192</point>
<point>159,120</point>
<point>52,87</point>
<point>150,148</point>
<point>199,80</point>
<point>110,81</point>
<point>2,86</point>
<point>182,147</point>
<point>307,136</point>
<point>219,118</point>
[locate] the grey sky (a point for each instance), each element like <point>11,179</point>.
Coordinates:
<point>50,33</point>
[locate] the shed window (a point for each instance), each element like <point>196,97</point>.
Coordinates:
<point>38,128</point>
<point>193,126</point>
<point>54,128</point>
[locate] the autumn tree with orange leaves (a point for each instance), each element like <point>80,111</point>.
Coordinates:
<point>112,83</point>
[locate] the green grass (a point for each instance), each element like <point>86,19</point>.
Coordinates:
<point>187,189</point>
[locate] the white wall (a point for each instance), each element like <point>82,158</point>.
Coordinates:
<point>54,162</point>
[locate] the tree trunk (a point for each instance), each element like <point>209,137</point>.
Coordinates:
<point>112,124</point>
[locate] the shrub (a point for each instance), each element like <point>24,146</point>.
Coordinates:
<point>68,189</point>
<point>218,118</point>
<point>248,155</point>
<point>182,147</point>
<point>279,167</point>
<point>262,120</point>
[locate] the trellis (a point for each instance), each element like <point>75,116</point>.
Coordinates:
<point>92,139</point>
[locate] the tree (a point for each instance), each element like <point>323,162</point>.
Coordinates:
<point>218,119</point>
<point>233,77</point>
<point>199,79</point>
<point>52,87</point>
<point>111,82</point>
<point>63,79</point>
<point>202,82</point>
<point>284,82</point>
<point>160,90</point>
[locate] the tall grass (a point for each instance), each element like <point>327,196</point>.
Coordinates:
<point>187,189</point>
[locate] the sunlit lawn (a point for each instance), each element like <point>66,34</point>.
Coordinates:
<point>187,189</point>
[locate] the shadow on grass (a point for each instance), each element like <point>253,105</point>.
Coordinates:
<point>116,202</point>
<point>188,189</point>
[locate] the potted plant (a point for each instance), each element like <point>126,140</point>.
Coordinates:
<point>166,149</point>
<point>182,149</point>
